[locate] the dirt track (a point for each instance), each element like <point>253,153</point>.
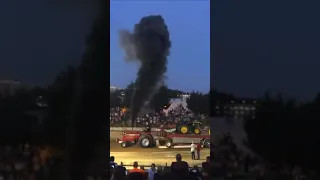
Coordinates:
<point>146,156</point>
<point>162,156</point>
<point>115,147</point>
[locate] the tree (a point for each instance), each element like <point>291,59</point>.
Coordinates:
<point>78,101</point>
<point>116,98</point>
<point>128,93</point>
<point>214,102</point>
<point>173,93</point>
<point>60,95</point>
<point>206,104</point>
<point>193,102</point>
<point>284,132</point>
<point>199,103</point>
<point>16,125</point>
<point>317,98</point>
<point>160,99</point>
<point>87,132</point>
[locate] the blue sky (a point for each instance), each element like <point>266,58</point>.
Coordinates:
<point>189,26</point>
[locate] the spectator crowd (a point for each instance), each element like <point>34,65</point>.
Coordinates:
<point>226,162</point>
<point>178,170</point>
<point>120,117</point>
<point>25,162</point>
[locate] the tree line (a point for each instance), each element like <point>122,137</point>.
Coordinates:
<point>122,98</point>
<point>285,131</point>
<point>18,120</point>
<point>197,103</point>
<point>20,112</point>
<point>76,116</point>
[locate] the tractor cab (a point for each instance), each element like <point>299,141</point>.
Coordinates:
<point>185,119</point>
<point>196,122</point>
<point>136,137</point>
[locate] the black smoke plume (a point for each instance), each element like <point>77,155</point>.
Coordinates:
<point>149,45</point>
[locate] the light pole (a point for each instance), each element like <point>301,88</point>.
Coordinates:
<point>122,96</point>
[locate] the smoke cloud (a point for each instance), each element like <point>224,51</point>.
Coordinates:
<point>148,44</point>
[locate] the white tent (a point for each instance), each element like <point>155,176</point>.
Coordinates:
<point>176,103</point>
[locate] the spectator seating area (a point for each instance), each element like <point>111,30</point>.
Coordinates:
<point>177,170</point>
<point>153,119</point>
<point>226,162</point>
<point>24,162</point>
<point>27,162</point>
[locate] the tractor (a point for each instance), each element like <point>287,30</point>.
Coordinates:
<point>187,125</point>
<point>143,138</point>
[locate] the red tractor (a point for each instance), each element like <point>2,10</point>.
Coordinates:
<point>142,138</point>
<point>147,139</point>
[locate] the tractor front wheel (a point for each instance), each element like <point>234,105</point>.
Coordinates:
<point>197,130</point>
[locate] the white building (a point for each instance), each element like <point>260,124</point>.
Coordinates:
<point>114,88</point>
<point>236,109</point>
<point>184,96</point>
<point>176,103</point>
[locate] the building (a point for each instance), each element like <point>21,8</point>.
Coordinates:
<point>176,103</point>
<point>236,109</point>
<point>9,87</point>
<point>114,88</point>
<point>184,96</point>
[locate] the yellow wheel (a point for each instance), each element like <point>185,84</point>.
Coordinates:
<point>184,129</point>
<point>197,131</point>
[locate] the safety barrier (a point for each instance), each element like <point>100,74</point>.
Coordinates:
<point>129,129</point>
<point>166,166</point>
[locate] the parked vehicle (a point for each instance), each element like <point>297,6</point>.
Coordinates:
<point>188,126</point>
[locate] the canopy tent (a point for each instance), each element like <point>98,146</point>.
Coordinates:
<point>176,103</point>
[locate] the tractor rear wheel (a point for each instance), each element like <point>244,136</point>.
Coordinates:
<point>145,141</point>
<point>183,129</point>
<point>169,143</point>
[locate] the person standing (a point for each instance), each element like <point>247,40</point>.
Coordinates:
<point>198,150</point>
<point>151,172</point>
<point>136,169</point>
<point>180,168</point>
<point>206,169</point>
<point>193,149</point>
<point>112,163</point>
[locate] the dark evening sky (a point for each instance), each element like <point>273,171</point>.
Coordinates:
<point>39,38</point>
<point>257,45</point>
<point>261,45</point>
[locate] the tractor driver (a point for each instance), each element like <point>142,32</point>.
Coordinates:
<point>148,128</point>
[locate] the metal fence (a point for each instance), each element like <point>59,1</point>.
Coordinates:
<point>146,167</point>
